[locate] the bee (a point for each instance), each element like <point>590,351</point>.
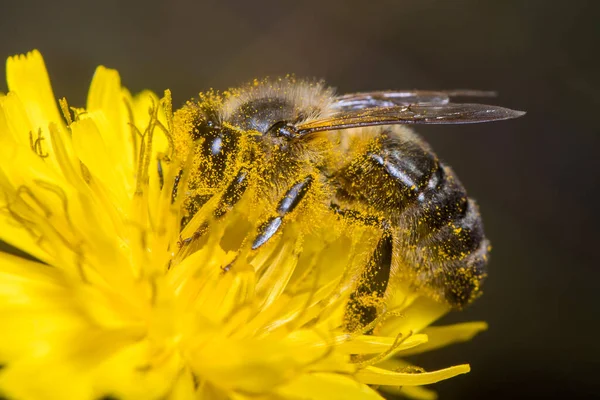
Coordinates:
<point>291,136</point>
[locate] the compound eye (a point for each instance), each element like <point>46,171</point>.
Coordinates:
<point>283,128</point>
<point>204,127</point>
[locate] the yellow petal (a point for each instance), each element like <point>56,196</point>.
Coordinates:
<point>380,376</point>
<point>376,344</point>
<point>34,295</point>
<point>13,233</point>
<point>250,365</point>
<point>28,79</point>
<point>441,336</point>
<point>15,127</point>
<point>26,206</point>
<point>326,386</point>
<point>66,157</point>
<point>43,326</point>
<point>184,387</point>
<point>106,97</point>
<point>139,371</point>
<point>97,363</point>
<point>420,313</point>
<point>92,150</point>
<point>27,76</point>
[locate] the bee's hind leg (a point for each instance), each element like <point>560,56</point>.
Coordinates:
<point>365,302</point>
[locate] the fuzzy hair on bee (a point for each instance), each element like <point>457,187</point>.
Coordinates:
<point>295,145</point>
<point>310,100</point>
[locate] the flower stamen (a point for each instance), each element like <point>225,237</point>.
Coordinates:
<point>36,145</point>
<point>66,112</point>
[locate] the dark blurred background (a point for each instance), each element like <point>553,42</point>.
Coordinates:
<point>536,178</point>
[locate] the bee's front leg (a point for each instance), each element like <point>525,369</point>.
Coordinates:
<point>286,205</point>
<point>231,195</point>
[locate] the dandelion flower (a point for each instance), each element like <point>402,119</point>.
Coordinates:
<point>110,308</point>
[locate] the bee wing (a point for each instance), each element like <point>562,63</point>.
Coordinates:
<point>450,113</point>
<point>359,101</point>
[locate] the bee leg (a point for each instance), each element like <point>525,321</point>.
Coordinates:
<point>161,176</point>
<point>195,236</point>
<point>192,204</point>
<point>175,188</point>
<point>366,300</point>
<point>286,205</point>
<point>362,308</point>
<point>356,216</point>
<point>232,194</point>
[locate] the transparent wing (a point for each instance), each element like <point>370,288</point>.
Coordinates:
<point>449,113</point>
<point>359,101</point>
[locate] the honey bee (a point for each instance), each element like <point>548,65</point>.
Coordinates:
<point>291,136</point>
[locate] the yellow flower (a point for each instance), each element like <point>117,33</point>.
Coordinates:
<point>113,308</point>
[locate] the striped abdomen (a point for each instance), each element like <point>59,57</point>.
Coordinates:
<point>437,229</point>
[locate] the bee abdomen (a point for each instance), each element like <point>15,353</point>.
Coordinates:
<point>437,229</point>
<point>461,282</point>
<point>441,200</point>
<point>446,243</point>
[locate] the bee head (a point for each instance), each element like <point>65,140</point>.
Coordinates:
<point>215,139</point>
